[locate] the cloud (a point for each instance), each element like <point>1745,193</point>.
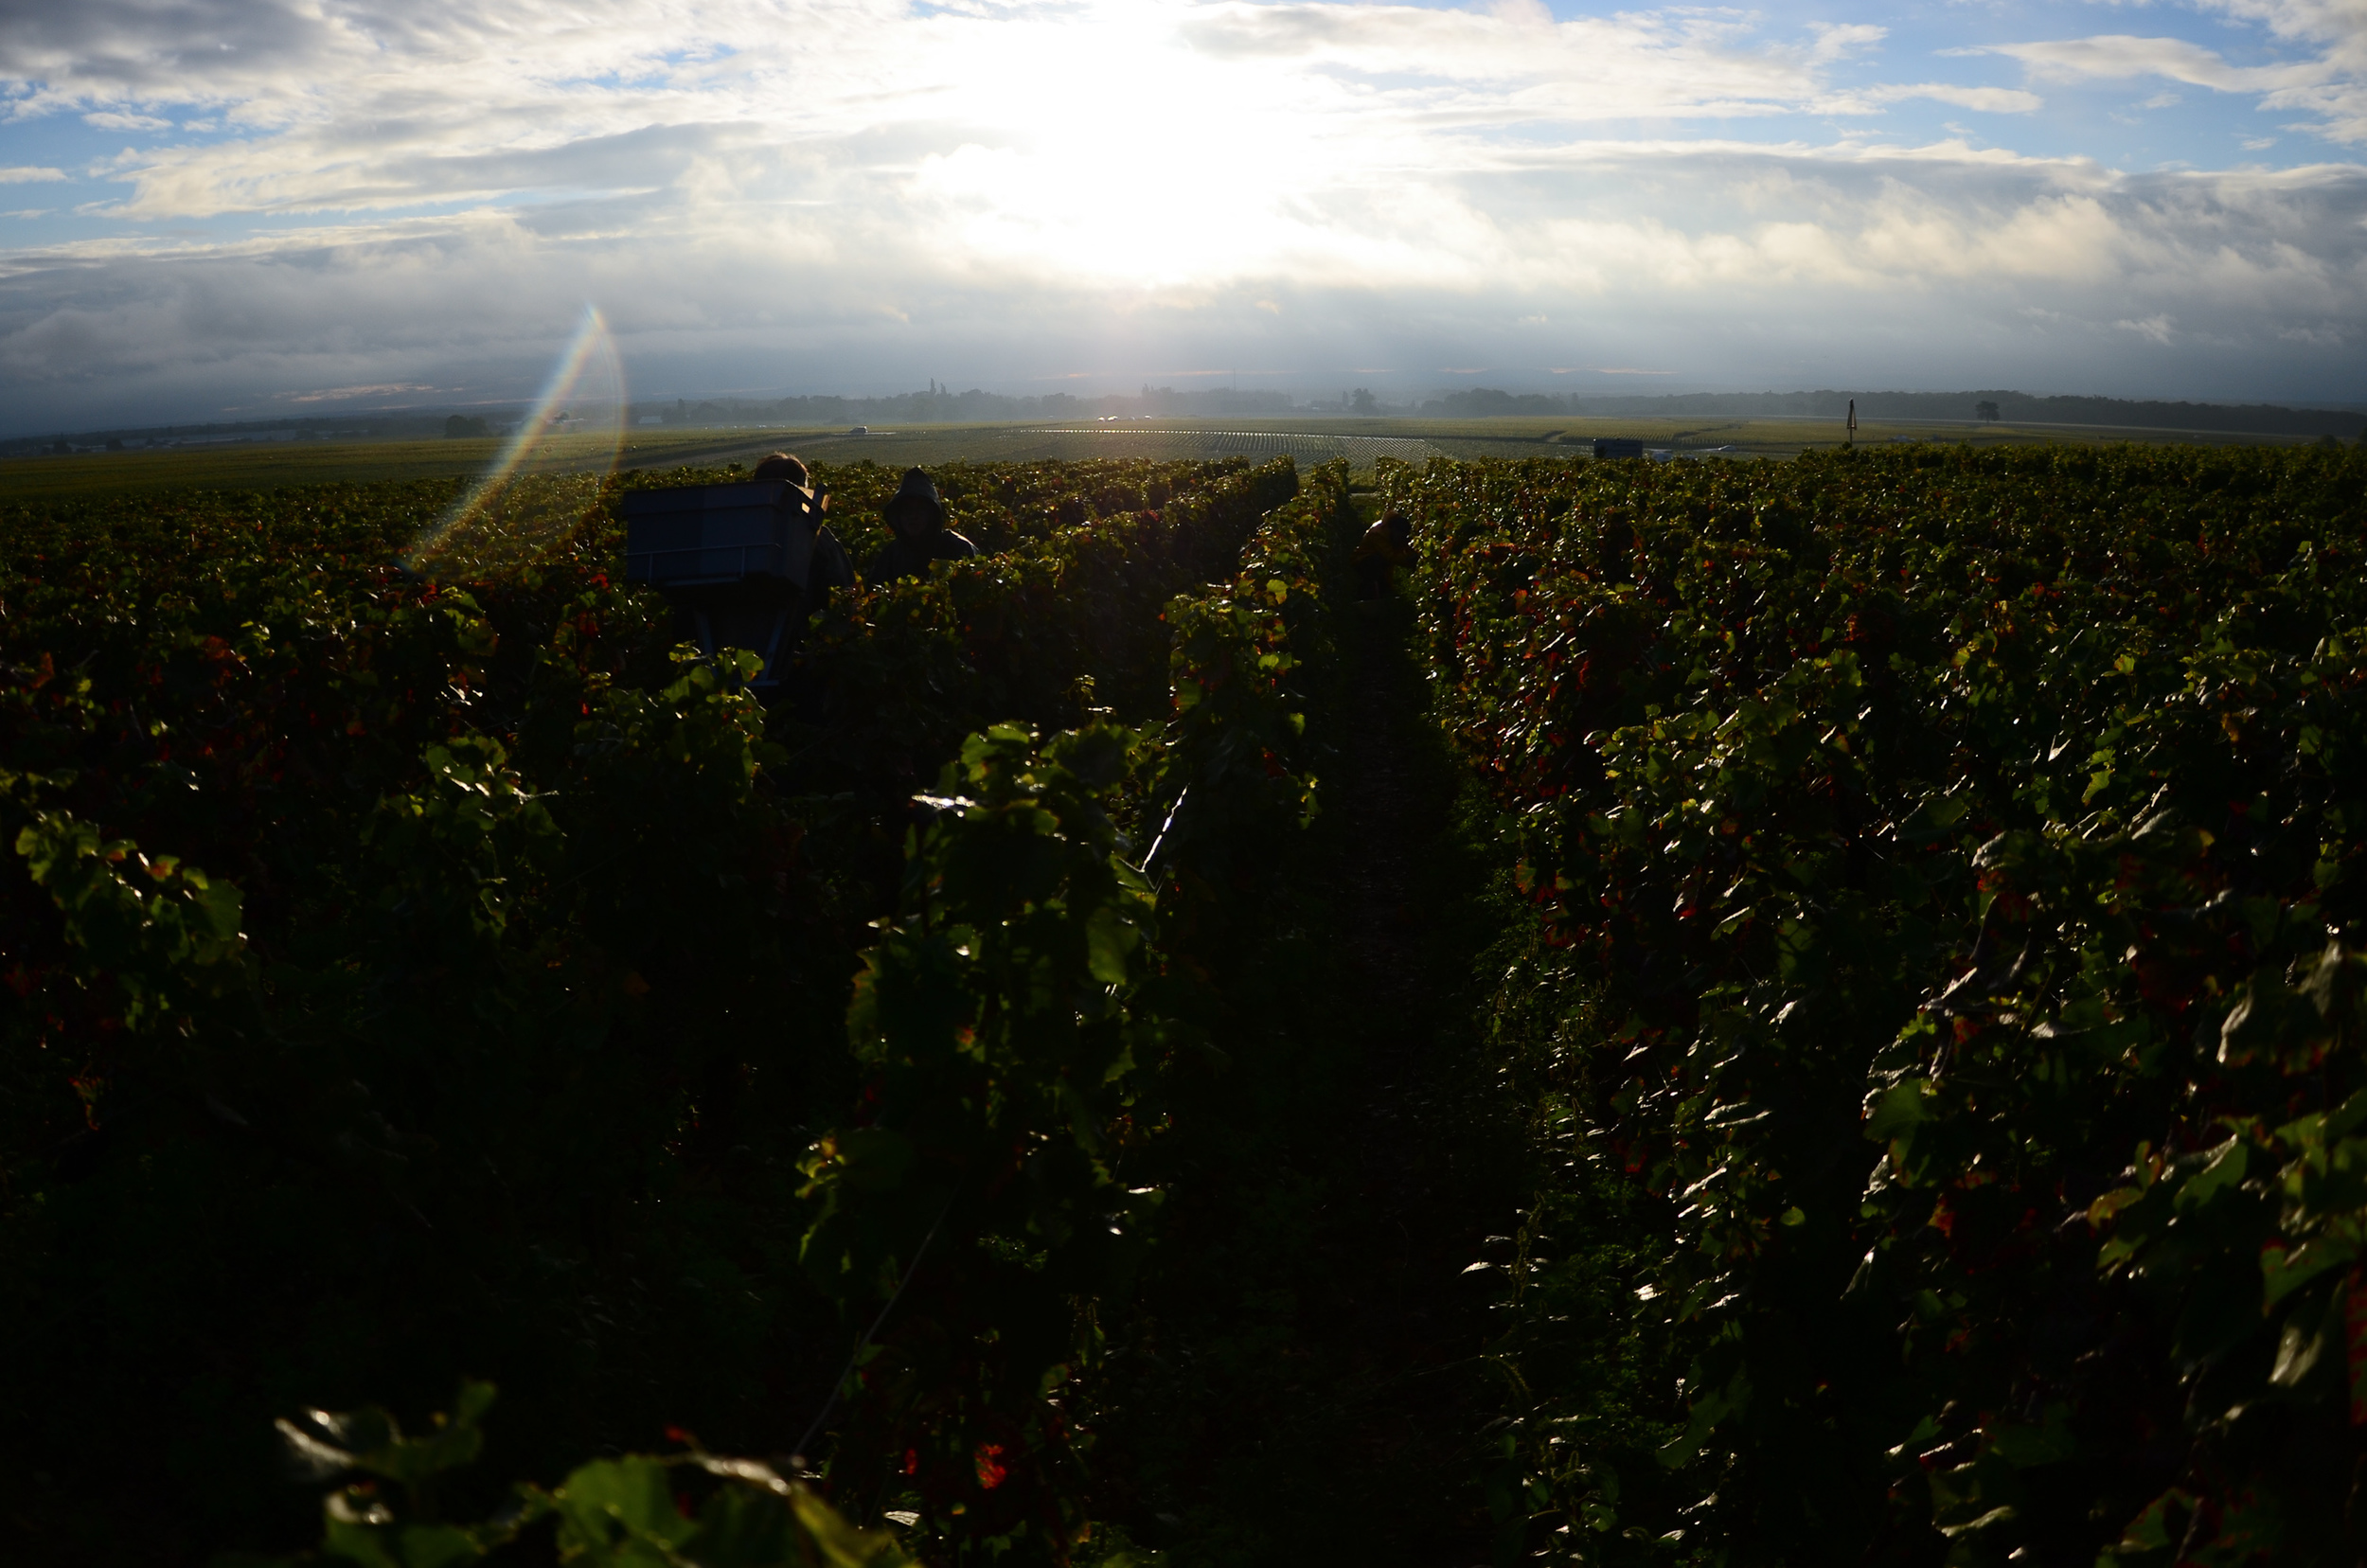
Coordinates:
<point>1481,66</point>
<point>1839,40</point>
<point>1990,101</point>
<point>848,193</point>
<point>108,119</point>
<point>2114,56</point>
<point>2338,29</point>
<point>27,174</point>
<point>116,51</point>
<point>1752,261</point>
<point>2330,85</point>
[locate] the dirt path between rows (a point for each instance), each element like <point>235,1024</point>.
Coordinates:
<point>1417,1185</point>
<point>1308,1382</point>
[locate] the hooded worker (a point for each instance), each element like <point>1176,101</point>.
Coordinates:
<point>916,515</point>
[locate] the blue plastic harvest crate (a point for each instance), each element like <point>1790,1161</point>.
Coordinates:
<point>712,536</point>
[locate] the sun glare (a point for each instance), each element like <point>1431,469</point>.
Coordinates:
<point>1121,154</point>
<point>547,473</point>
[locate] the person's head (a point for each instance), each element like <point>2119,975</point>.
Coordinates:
<point>916,511</point>
<point>1400,526</point>
<point>780,465</point>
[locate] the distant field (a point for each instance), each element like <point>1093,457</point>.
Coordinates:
<point>272,465</point>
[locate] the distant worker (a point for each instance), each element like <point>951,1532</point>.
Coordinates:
<point>1386,545</point>
<point>916,515</point>
<point>829,566</point>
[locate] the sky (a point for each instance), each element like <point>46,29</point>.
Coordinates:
<point>245,208</point>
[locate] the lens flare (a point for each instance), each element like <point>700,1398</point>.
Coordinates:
<point>548,475</point>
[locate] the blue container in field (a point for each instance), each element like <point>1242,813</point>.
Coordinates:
<point>718,536</point>
<point>1618,446</point>
<point>736,561</point>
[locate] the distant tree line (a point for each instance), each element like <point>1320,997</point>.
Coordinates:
<point>2017,407</point>
<point>402,423</point>
<point>1479,402</point>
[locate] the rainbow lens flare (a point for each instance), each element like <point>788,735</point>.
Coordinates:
<point>548,475</point>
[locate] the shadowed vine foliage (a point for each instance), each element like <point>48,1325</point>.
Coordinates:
<point>1939,1004</point>
<point>1002,506</point>
<point>1063,948</point>
<point>989,1209</point>
<point>1040,635</point>
<point>625,1512</point>
<point>507,1001</point>
<point>1012,1045</point>
<point>1942,1011</point>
